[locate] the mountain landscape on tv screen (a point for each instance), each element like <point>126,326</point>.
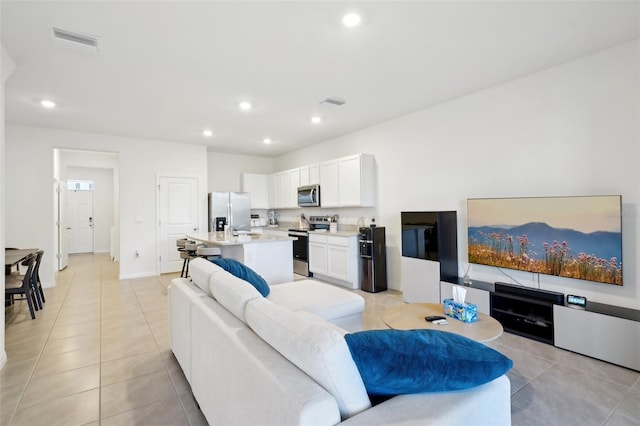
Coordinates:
<point>538,247</point>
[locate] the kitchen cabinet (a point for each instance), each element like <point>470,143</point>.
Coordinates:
<point>329,184</point>
<point>284,189</point>
<point>294,183</point>
<point>334,258</point>
<point>314,174</point>
<point>348,181</point>
<point>275,190</point>
<point>310,175</point>
<point>258,186</point>
<point>304,175</point>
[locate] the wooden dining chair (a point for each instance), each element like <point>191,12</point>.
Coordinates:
<point>22,284</point>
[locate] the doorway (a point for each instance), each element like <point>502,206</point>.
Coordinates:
<point>178,214</point>
<point>87,203</point>
<point>79,208</point>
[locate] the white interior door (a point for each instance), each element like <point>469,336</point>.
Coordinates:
<point>178,213</point>
<point>64,229</point>
<point>80,220</point>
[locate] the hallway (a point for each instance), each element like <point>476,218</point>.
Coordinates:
<point>98,353</point>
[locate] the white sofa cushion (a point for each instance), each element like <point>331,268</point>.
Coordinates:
<point>317,347</point>
<point>324,300</point>
<point>200,271</point>
<point>232,292</point>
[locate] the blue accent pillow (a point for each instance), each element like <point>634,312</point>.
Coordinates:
<point>394,362</point>
<point>242,271</point>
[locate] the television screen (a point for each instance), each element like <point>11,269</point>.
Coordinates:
<point>574,237</point>
<point>420,235</point>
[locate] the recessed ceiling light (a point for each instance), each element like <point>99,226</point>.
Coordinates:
<point>316,120</point>
<point>266,141</point>
<point>47,103</point>
<point>208,133</point>
<point>245,106</point>
<point>351,20</point>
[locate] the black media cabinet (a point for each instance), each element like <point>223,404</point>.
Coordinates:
<point>525,311</point>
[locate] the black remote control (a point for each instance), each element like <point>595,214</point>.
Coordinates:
<point>432,318</point>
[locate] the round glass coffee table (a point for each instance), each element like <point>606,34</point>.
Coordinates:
<point>410,316</point>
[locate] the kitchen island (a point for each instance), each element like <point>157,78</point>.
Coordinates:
<point>269,255</point>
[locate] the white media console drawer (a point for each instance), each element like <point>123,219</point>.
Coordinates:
<point>605,337</point>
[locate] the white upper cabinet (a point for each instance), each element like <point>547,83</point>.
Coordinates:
<point>329,184</point>
<point>348,182</point>
<point>294,183</point>
<point>258,186</point>
<point>284,189</point>
<point>314,174</point>
<point>304,175</point>
<point>310,175</point>
<point>344,182</point>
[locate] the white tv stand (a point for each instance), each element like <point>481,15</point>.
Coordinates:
<point>604,332</point>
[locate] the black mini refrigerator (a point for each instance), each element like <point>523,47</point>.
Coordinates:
<point>373,260</point>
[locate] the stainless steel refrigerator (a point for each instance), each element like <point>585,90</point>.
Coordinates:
<point>229,208</point>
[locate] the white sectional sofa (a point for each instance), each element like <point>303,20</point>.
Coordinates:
<point>252,360</point>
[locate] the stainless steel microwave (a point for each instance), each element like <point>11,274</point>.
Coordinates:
<point>309,196</point>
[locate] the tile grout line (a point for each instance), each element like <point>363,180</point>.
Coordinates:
<point>39,356</point>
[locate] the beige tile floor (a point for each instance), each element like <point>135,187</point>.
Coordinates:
<point>99,354</point>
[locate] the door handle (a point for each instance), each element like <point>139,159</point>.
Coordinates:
<point>68,228</point>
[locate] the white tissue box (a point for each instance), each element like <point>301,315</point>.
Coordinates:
<point>463,312</point>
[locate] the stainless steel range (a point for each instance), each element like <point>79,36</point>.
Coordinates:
<point>301,245</point>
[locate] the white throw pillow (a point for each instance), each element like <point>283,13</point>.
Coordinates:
<point>200,271</point>
<point>232,292</point>
<point>316,347</point>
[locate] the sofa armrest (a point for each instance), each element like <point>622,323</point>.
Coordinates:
<point>489,404</point>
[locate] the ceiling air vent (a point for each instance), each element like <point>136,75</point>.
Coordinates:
<point>334,101</point>
<point>77,41</point>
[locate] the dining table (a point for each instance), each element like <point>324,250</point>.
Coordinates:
<point>13,257</point>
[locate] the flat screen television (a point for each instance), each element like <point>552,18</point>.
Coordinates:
<point>573,237</point>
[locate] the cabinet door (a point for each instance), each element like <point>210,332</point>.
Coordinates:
<point>314,174</point>
<point>258,186</point>
<point>292,191</point>
<point>349,181</point>
<point>275,191</point>
<point>318,257</point>
<point>338,262</point>
<point>329,184</point>
<point>304,175</point>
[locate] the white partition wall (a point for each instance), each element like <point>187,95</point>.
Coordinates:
<point>420,280</point>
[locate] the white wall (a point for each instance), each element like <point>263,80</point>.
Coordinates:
<point>569,130</point>
<point>224,170</point>
<point>6,68</point>
<point>141,161</point>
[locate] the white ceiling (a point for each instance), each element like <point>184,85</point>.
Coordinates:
<point>168,70</point>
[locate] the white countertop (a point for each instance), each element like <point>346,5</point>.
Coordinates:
<point>337,233</point>
<point>222,239</point>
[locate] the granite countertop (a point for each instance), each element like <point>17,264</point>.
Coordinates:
<point>222,239</point>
